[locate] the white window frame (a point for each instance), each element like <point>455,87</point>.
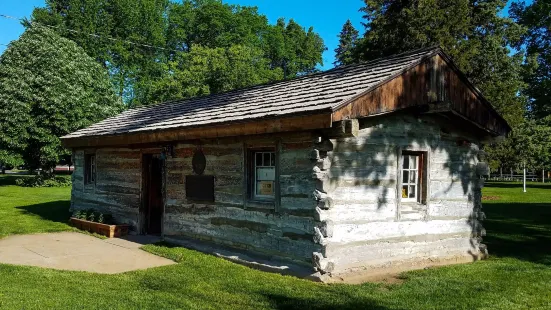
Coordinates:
<point>409,170</point>
<point>273,160</point>
<point>89,169</point>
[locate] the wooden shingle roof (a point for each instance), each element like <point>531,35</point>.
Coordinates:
<point>425,80</point>
<point>317,92</point>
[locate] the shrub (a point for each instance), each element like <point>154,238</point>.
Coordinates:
<point>94,216</point>
<point>44,181</point>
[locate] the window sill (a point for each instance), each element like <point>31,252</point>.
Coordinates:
<point>412,203</point>
<point>200,201</point>
<point>260,204</point>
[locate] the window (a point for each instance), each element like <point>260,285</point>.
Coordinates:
<point>89,169</point>
<point>413,177</point>
<point>262,175</point>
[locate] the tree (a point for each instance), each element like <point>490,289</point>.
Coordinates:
<point>294,50</point>
<point>472,32</point>
<point>116,26</point>
<point>538,42</point>
<point>348,38</point>
<point>170,29</point>
<point>528,143</point>
<point>49,87</point>
<point>203,71</point>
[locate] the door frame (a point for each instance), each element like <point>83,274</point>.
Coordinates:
<point>145,159</point>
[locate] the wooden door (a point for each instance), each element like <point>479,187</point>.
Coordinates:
<point>153,194</point>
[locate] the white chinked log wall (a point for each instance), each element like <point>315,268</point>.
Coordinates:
<point>371,228</point>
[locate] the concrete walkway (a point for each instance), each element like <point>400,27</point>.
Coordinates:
<point>74,251</point>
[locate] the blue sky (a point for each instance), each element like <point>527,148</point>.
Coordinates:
<point>326,16</point>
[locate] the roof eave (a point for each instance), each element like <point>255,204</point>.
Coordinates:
<point>321,119</point>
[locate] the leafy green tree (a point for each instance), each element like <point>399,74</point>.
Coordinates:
<point>49,87</point>
<point>472,32</point>
<point>536,17</point>
<point>529,143</point>
<point>204,71</point>
<point>138,71</point>
<point>115,27</point>
<point>348,38</point>
<point>294,50</point>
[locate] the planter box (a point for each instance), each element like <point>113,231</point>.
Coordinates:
<point>109,231</point>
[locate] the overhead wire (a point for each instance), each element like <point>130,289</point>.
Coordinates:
<point>89,34</point>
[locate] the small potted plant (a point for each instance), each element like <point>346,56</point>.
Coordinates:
<point>97,222</point>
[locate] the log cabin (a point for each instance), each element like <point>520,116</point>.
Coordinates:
<point>371,167</point>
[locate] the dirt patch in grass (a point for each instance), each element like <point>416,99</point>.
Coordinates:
<point>489,198</point>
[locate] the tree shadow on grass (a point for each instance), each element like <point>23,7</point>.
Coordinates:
<point>519,230</point>
<point>279,301</point>
<point>8,179</point>
<point>55,211</point>
<point>515,185</point>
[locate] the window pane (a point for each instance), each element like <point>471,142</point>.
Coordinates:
<point>411,193</point>
<point>404,191</point>
<point>265,174</point>
<point>413,162</point>
<point>266,159</point>
<point>406,162</point>
<point>413,177</point>
<point>272,163</point>
<point>265,188</point>
<point>93,159</point>
<point>258,159</point>
<point>406,176</point>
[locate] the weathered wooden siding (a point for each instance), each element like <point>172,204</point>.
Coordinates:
<point>339,197</point>
<point>370,227</point>
<point>434,81</point>
<point>466,101</point>
<point>117,186</point>
<point>287,232</point>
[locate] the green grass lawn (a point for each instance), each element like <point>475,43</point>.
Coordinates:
<point>518,276</point>
<point>32,210</point>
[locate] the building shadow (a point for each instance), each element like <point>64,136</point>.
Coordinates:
<point>519,230</point>
<point>55,211</point>
<point>498,184</point>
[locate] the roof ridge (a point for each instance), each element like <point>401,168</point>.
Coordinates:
<point>412,52</point>
<point>307,76</point>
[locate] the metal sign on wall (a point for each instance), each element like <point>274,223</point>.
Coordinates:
<point>199,187</point>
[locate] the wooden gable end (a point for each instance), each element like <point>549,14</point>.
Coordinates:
<point>433,86</point>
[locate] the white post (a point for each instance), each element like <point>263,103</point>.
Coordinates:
<point>543,175</point>
<point>524,177</point>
